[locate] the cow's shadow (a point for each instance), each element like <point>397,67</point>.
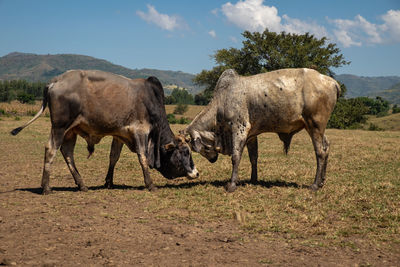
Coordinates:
<point>187,185</point>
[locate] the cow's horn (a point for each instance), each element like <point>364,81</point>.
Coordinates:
<point>185,135</point>
<point>169,146</point>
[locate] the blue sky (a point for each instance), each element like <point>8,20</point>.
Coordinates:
<point>181,35</point>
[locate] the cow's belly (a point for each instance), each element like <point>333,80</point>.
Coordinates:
<point>272,119</point>
<point>278,125</point>
<point>93,131</point>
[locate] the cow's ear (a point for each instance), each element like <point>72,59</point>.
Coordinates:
<point>169,146</point>
<point>197,145</point>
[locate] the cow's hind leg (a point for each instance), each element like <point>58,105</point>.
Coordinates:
<point>321,147</point>
<point>67,150</point>
<point>54,143</point>
<point>252,148</point>
<point>115,152</point>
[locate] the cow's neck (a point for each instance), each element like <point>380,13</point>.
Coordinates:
<point>204,123</point>
<point>167,136</point>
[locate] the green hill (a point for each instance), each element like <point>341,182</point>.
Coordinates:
<point>32,67</point>
<point>392,94</point>
<point>371,86</point>
<point>387,123</point>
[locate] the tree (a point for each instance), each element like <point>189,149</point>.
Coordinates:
<point>395,109</point>
<point>181,108</point>
<point>268,51</point>
<point>20,89</point>
<point>203,98</point>
<point>26,98</point>
<point>377,106</point>
<point>179,95</point>
<point>348,113</point>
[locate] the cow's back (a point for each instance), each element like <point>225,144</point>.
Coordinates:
<point>276,101</point>
<point>105,102</point>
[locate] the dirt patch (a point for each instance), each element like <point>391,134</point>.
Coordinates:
<point>103,228</point>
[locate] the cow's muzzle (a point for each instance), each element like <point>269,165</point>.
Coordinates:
<point>193,174</point>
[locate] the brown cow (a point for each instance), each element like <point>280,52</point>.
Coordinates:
<point>94,104</point>
<point>283,101</point>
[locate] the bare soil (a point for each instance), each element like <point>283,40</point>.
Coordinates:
<point>73,228</point>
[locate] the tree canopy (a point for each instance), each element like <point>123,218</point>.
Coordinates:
<point>268,51</point>
<point>179,96</point>
<point>20,89</point>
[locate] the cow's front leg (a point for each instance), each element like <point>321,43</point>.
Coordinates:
<point>252,148</point>
<point>238,145</point>
<point>115,153</point>
<point>145,168</point>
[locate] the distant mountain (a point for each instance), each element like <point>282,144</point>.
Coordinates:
<point>371,86</point>
<point>32,67</point>
<point>392,94</point>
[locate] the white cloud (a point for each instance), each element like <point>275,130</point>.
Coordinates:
<point>359,31</point>
<point>163,21</point>
<point>392,25</point>
<point>212,34</point>
<point>253,15</point>
<point>345,39</point>
<point>298,26</point>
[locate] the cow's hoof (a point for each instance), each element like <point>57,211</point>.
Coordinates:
<point>109,185</point>
<point>314,187</point>
<point>230,187</point>
<point>152,188</point>
<point>83,188</point>
<point>47,191</point>
<point>253,181</point>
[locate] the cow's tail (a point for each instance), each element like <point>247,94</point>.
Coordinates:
<point>338,90</point>
<point>44,104</point>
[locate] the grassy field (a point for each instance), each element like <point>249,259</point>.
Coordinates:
<point>389,123</point>
<point>355,216</point>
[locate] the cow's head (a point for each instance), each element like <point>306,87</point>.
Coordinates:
<point>176,160</point>
<point>201,145</point>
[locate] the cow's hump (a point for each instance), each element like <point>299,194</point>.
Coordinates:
<point>226,79</point>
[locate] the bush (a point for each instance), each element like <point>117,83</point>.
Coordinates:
<point>374,127</point>
<point>26,98</point>
<point>395,109</point>
<point>184,120</point>
<point>181,108</point>
<point>173,120</point>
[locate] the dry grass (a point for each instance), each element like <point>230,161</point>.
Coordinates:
<point>15,108</point>
<point>192,111</point>
<point>359,204</point>
<point>388,123</point>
